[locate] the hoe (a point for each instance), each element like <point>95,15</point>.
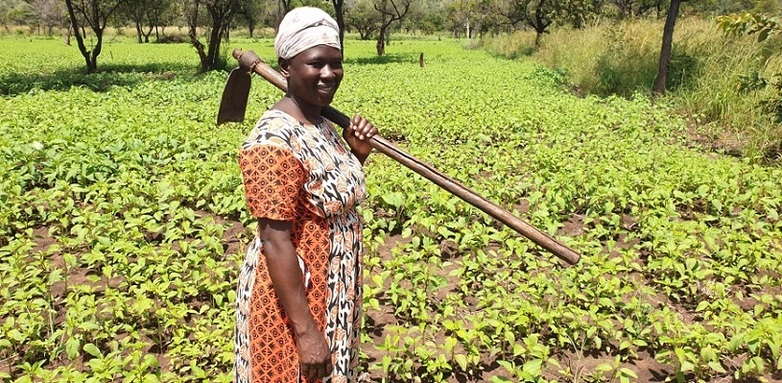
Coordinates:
<point>234,104</point>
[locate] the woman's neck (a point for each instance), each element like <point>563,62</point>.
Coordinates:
<point>299,111</point>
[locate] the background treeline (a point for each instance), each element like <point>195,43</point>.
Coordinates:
<point>153,20</point>
<point>730,83</point>
<point>460,17</point>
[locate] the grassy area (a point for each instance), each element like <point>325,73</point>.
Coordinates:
<point>728,86</point>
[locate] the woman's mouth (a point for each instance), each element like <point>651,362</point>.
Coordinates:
<point>327,88</point>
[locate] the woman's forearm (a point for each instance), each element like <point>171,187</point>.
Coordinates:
<point>286,275</point>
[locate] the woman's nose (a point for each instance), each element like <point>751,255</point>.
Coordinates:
<point>327,72</point>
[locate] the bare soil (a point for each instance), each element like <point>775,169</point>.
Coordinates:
<point>379,323</point>
<point>573,367</point>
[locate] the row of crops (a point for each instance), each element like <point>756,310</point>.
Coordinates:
<point>122,225</point>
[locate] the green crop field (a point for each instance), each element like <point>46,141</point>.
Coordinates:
<point>122,225</point>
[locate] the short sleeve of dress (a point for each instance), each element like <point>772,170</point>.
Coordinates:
<point>272,178</point>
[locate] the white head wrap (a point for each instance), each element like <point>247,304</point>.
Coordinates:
<point>304,28</point>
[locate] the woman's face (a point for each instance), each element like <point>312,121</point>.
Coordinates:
<point>314,75</point>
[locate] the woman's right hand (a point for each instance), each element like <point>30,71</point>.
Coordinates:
<point>314,354</point>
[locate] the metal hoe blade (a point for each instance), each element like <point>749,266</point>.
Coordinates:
<point>234,102</point>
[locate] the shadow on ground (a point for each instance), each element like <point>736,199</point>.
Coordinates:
<point>385,59</point>
<point>107,77</point>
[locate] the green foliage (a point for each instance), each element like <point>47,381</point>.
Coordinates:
<point>15,12</point>
<point>729,86</point>
<point>364,18</point>
<point>123,224</point>
<point>750,24</point>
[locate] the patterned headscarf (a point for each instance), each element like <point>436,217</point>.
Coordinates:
<point>304,28</point>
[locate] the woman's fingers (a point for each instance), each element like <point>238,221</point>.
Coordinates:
<point>358,134</point>
<point>362,128</point>
<point>314,371</point>
<point>314,356</point>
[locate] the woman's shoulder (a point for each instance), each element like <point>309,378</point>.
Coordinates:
<point>275,120</point>
<point>275,128</point>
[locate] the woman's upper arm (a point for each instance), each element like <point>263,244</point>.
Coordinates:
<point>273,178</point>
<point>274,232</point>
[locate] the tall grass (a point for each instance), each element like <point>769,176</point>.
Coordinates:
<point>730,86</point>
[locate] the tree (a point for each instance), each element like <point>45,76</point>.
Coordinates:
<point>14,12</point>
<point>723,7</point>
<point>339,17</point>
<point>577,12</point>
<point>362,16</point>
<point>413,18</point>
<point>283,7</point>
<point>665,51</point>
<point>253,12</point>
<point>433,21</point>
<point>96,14</point>
<point>473,16</point>
<point>536,14</point>
<point>390,11</point>
<point>458,18</point>
<point>541,14</point>
<point>221,13</point>
<point>50,14</point>
<point>161,14</point>
<point>633,8</point>
<point>146,16</point>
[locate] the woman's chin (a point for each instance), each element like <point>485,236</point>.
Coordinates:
<point>325,99</point>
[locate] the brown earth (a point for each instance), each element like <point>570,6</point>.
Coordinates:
<point>579,367</point>
<point>379,323</point>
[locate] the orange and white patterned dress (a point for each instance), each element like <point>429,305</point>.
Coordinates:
<point>302,174</point>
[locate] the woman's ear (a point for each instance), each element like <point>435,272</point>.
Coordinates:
<point>284,66</point>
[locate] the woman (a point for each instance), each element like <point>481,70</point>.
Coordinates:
<point>299,294</point>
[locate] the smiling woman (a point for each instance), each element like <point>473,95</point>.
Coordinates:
<point>299,294</point>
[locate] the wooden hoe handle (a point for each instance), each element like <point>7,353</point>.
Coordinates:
<point>251,62</point>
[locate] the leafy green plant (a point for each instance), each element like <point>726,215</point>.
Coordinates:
<point>120,243</point>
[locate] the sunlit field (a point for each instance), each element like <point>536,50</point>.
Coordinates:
<point>123,224</point>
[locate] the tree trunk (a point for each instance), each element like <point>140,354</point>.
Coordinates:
<point>93,67</point>
<point>339,13</point>
<point>380,46</point>
<point>193,33</point>
<point>68,35</point>
<point>215,37</point>
<point>658,88</point>
<point>79,39</point>
<point>286,7</point>
<point>138,31</point>
<point>221,15</point>
<point>148,33</point>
